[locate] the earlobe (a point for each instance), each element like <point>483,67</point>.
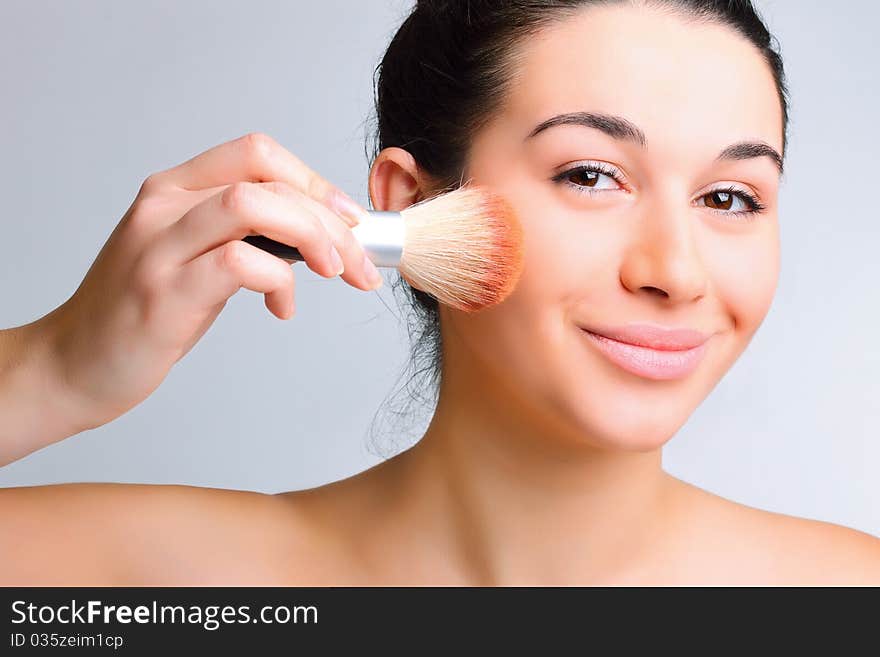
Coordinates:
<point>395,180</point>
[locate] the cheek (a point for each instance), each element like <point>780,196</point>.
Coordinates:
<point>571,256</point>
<point>744,272</point>
<point>528,340</point>
<point>521,340</point>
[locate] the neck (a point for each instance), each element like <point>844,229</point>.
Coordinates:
<point>530,501</point>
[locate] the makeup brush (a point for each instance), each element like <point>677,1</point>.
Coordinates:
<point>462,247</point>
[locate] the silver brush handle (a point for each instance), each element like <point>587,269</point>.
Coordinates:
<point>381,235</point>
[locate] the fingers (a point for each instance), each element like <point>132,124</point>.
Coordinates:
<point>243,209</point>
<point>213,277</point>
<point>358,272</point>
<point>275,210</point>
<point>256,157</point>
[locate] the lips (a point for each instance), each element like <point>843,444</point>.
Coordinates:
<point>649,350</point>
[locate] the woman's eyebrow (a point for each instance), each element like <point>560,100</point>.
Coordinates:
<point>618,127</point>
<point>749,149</point>
<point>613,126</point>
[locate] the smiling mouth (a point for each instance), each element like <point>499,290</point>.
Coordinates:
<point>647,362</point>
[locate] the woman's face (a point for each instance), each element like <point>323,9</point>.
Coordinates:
<point>642,233</point>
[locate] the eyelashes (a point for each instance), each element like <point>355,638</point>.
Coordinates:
<point>754,204</point>
<point>723,196</point>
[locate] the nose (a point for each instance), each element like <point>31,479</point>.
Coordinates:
<point>662,259</point>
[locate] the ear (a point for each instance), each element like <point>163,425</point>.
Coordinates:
<point>395,180</point>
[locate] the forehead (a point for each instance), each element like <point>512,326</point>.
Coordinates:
<point>686,84</point>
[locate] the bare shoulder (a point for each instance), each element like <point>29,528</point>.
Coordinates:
<point>148,534</point>
<point>345,522</point>
<point>107,533</point>
<point>776,548</point>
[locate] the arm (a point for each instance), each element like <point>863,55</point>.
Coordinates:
<point>160,281</point>
<point>157,285</point>
<point>35,408</point>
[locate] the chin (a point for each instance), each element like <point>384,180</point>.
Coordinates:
<point>615,410</point>
<point>621,424</point>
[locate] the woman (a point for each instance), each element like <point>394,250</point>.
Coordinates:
<point>641,144</point>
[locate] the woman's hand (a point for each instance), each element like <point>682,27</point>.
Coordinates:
<point>176,257</point>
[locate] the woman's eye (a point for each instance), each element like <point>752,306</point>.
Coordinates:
<point>725,200</point>
<point>722,200</point>
<point>589,179</point>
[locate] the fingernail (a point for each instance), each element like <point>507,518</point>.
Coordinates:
<point>337,260</point>
<point>373,275</point>
<point>347,207</point>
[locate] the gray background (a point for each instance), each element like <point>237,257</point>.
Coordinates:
<point>96,95</point>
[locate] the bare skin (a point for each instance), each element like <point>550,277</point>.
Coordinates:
<point>542,463</point>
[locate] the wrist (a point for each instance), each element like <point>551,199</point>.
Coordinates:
<point>46,338</point>
<point>36,408</point>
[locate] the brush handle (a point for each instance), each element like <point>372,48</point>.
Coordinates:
<point>381,235</point>
<point>274,247</point>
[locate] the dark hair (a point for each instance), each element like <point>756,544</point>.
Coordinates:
<point>445,74</point>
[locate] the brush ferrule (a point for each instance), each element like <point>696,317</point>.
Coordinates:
<point>381,234</point>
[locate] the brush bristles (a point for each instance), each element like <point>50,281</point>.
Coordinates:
<point>463,247</point>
